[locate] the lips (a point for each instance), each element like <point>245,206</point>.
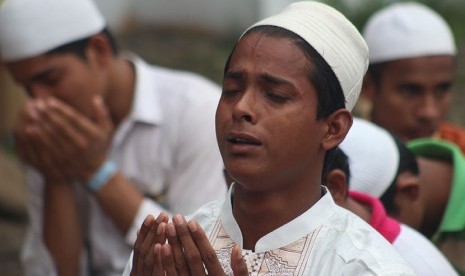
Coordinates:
<point>243,139</point>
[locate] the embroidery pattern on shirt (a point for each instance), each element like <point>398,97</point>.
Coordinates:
<point>289,260</point>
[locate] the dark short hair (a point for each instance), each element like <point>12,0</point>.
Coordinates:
<point>329,91</point>
<point>407,163</point>
<point>78,47</point>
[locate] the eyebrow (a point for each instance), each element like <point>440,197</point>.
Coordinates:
<point>264,77</point>
<point>275,80</point>
<point>42,74</point>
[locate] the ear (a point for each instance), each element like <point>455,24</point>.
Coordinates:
<point>99,50</point>
<point>337,184</point>
<point>407,188</point>
<point>338,124</point>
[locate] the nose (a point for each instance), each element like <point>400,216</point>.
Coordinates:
<point>38,91</point>
<point>243,109</point>
<point>429,108</point>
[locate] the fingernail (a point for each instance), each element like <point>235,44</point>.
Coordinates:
<point>166,250</point>
<point>148,220</point>
<point>157,248</point>
<point>239,252</point>
<point>161,217</point>
<point>192,226</point>
<point>40,105</point>
<point>170,229</point>
<point>161,228</point>
<point>178,219</point>
<point>52,102</point>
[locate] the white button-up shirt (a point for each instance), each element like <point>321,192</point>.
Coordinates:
<point>325,240</point>
<point>166,147</point>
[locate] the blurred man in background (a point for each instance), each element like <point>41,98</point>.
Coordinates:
<point>411,72</point>
<point>107,137</point>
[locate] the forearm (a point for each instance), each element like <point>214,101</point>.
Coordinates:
<point>62,231</point>
<point>120,200</point>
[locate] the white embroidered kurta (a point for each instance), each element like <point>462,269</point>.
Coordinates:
<point>166,147</point>
<point>325,240</point>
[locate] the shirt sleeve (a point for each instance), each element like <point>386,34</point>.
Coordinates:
<point>35,256</point>
<point>147,207</point>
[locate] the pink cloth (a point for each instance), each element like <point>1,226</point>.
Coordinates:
<point>388,227</point>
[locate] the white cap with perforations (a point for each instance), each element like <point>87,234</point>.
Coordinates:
<point>333,36</point>
<point>407,30</point>
<point>30,27</point>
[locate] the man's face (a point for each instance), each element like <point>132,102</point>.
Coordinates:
<point>63,76</point>
<point>413,95</point>
<point>435,187</point>
<point>266,122</point>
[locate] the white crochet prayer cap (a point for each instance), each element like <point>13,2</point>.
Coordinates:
<point>407,30</point>
<point>333,36</point>
<point>33,27</point>
<point>373,157</point>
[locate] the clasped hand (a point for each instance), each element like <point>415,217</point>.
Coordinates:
<point>178,248</point>
<point>60,142</point>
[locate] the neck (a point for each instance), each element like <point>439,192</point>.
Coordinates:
<point>120,94</point>
<point>259,213</point>
<point>359,209</point>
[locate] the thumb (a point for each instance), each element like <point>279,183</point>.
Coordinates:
<point>102,115</point>
<point>238,265</point>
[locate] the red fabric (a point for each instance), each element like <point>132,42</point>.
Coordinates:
<point>454,134</point>
<point>388,227</point>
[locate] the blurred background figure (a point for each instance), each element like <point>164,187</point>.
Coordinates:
<point>442,197</point>
<point>13,192</point>
<point>107,138</point>
<point>412,70</point>
<point>378,164</point>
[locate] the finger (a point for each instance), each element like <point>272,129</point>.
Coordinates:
<point>177,251</point>
<point>238,265</point>
<point>72,117</point>
<point>191,252</point>
<point>161,233</point>
<point>138,257</point>
<point>150,257</point>
<point>158,269</point>
<point>61,128</point>
<point>102,116</point>
<point>209,257</point>
<point>167,259</point>
<point>147,248</point>
<point>52,140</point>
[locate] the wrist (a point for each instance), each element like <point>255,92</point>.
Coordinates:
<point>101,177</point>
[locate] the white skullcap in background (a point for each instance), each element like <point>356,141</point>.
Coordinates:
<point>333,36</point>
<point>373,157</point>
<point>407,30</point>
<point>33,27</point>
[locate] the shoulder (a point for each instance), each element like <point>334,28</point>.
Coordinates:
<point>354,242</point>
<point>421,254</point>
<point>207,213</point>
<point>453,133</point>
<point>184,81</point>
